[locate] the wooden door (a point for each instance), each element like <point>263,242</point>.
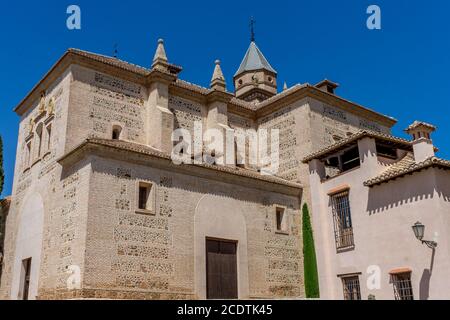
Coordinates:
<point>221,269</point>
<point>26,283</point>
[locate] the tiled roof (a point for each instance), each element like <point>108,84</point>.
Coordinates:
<point>147,150</point>
<point>174,69</point>
<point>191,86</point>
<point>254,60</point>
<point>344,143</point>
<point>406,166</point>
<point>111,61</point>
<point>144,72</point>
<point>281,95</point>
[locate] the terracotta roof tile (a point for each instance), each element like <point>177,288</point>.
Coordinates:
<point>111,61</point>
<point>406,166</point>
<point>354,138</point>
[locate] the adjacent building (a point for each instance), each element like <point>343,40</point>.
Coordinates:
<point>368,191</point>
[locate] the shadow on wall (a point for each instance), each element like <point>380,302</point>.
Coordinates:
<point>424,286</point>
<point>404,191</point>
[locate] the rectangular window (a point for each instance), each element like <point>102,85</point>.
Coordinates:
<point>402,286</point>
<point>281,220</point>
<point>145,196</point>
<point>352,290</point>
<point>26,271</point>
<point>343,231</point>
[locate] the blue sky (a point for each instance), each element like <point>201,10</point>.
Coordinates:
<point>401,70</point>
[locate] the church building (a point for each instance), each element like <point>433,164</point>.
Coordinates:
<point>100,210</point>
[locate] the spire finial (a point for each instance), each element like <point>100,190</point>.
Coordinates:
<point>218,80</point>
<point>252,29</point>
<point>160,57</point>
<point>160,53</point>
<point>116,51</point>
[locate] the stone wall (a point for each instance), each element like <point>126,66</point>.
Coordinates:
<point>99,101</point>
<point>153,253</point>
<point>39,177</point>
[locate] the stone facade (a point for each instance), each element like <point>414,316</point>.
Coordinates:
<point>90,240</point>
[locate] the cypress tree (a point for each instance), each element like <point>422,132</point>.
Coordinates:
<point>309,257</point>
<point>2,176</point>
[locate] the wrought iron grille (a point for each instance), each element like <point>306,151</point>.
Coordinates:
<point>402,286</point>
<point>352,290</point>
<point>343,231</point>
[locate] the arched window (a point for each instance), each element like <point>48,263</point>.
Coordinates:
<point>49,137</point>
<point>116,132</point>
<point>27,154</point>
<point>39,139</point>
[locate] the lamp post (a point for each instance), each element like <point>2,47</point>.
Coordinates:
<point>419,231</point>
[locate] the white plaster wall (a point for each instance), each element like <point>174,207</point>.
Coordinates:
<point>28,245</point>
<point>382,217</point>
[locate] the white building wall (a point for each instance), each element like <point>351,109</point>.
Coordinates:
<point>382,217</point>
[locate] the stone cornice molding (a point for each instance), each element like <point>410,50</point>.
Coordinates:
<point>143,76</point>
<point>144,155</point>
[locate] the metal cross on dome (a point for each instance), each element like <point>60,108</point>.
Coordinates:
<point>252,29</point>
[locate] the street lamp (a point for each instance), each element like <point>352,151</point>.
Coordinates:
<point>419,230</point>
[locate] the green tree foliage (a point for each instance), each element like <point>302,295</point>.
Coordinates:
<point>2,176</point>
<point>309,257</point>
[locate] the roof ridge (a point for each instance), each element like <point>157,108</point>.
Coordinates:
<point>106,56</point>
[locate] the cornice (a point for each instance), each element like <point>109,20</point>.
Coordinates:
<point>143,76</point>
<point>145,155</point>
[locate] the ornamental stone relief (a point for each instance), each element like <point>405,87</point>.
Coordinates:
<point>116,84</point>
<point>117,100</point>
<point>142,241</point>
<point>238,122</point>
<point>284,121</point>
<point>367,124</point>
<point>185,113</point>
<point>334,113</point>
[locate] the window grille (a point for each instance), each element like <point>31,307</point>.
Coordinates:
<point>352,290</point>
<point>402,286</point>
<point>343,231</point>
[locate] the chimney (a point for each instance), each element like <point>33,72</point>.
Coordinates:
<point>327,86</point>
<point>423,147</point>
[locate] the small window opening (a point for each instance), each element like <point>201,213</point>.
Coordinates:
<point>116,132</point>
<point>145,196</point>
<point>281,219</point>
